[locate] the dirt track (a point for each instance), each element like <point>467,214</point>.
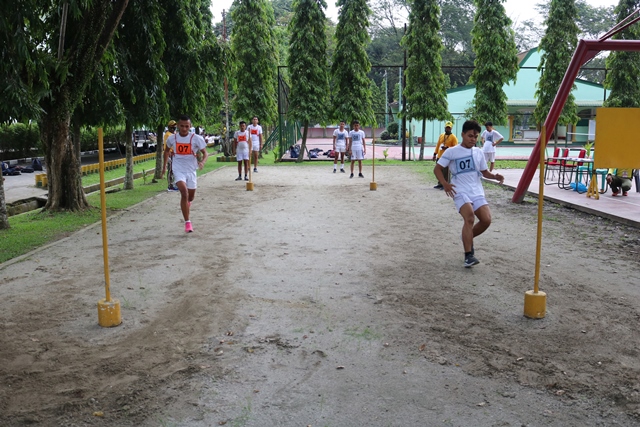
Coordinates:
<point>314,301</point>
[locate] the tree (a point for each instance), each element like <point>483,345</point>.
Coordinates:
<point>308,69</point>
<point>557,46</point>
<point>623,78</point>
<point>140,75</point>
<point>351,86</point>
<point>64,67</point>
<point>425,91</point>
<point>253,43</point>
<point>496,61</point>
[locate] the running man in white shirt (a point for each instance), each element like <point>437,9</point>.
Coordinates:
<point>490,138</point>
<point>357,147</point>
<point>256,141</point>
<point>340,137</point>
<point>186,147</point>
<point>467,164</point>
<point>241,138</point>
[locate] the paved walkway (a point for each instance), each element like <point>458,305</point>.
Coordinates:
<point>621,209</point>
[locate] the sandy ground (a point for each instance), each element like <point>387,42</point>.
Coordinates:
<point>314,301</point>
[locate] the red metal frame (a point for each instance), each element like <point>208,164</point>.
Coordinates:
<point>585,51</point>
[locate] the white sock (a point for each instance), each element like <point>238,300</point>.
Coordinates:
<point>187,221</point>
<point>341,165</point>
<point>335,166</point>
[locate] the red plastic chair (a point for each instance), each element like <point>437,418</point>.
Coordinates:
<point>552,167</point>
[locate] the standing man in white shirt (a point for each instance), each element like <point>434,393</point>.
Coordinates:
<point>256,141</point>
<point>467,164</point>
<point>340,137</point>
<point>490,138</point>
<point>186,147</point>
<point>357,147</point>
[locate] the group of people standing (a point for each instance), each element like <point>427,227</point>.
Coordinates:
<point>248,144</point>
<point>352,142</point>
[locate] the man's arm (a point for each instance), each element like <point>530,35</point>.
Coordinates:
<point>364,144</point>
<point>167,152</point>
<point>205,154</point>
<point>495,176</point>
<point>499,140</point>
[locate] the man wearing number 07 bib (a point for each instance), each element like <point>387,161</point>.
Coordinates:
<point>186,147</point>
<point>467,164</point>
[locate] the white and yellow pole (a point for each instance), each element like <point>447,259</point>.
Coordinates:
<point>108,309</point>
<point>535,301</point>
<point>372,185</point>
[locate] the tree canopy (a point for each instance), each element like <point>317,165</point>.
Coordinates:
<point>557,45</point>
<point>351,65</point>
<point>253,42</point>
<point>496,61</point>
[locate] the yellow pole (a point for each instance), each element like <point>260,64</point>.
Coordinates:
<point>108,309</point>
<point>535,302</point>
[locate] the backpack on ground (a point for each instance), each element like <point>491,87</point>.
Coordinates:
<point>36,164</point>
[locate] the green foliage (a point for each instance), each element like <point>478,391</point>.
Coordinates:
<point>352,90</point>
<point>425,91</point>
<point>625,66</point>
<point>253,43</point>
<point>308,99</point>
<point>557,45</point>
<point>393,128</point>
<point>496,61</point>
<point>19,140</point>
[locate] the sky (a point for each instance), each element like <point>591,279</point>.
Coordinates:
<point>518,10</point>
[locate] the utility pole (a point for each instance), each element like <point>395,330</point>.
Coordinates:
<point>386,100</point>
<point>226,90</point>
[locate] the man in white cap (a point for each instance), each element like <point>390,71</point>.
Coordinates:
<point>446,140</point>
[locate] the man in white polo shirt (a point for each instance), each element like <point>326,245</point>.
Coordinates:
<point>255,130</point>
<point>186,147</point>
<point>357,147</point>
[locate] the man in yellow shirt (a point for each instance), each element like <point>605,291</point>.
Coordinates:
<point>171,129</point>
<point>446,140</point>
<point>619,179</point>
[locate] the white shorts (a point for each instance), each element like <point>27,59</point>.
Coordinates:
<point>242,155</point>
<point>341,148</point>
<point>357,153</point>
<point>476,203</point>
<point>490,157</point>
<point>190,178</point>
<point>255,146</point>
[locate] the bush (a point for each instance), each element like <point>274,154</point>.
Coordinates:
<point>19,140</point>
<point>393,128</point>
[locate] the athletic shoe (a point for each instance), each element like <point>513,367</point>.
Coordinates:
<point>439,186</point>
<point>470,261</point>
<point>624,193</point>
<point>188,228</point>
<point>255,169</point>
<point>172,188</point>
<point>615,193</point>
<point>360,175</point>
<point>239,178</point>
<point>351,176</point>
<point>246,179</point>
<point>342,170</point>
<point>334,171</point>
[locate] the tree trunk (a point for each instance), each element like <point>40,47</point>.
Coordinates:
<point>128,175</point>
<point>61,158</point>
<point>304,142</point>
<point>159,152</point>
<point>4,220</point>
<point>424,133</point>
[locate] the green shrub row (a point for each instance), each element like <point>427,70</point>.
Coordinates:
<point>21,140</point>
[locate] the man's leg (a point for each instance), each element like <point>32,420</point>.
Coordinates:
<point>184,199</point>
<point>240,169</point>
<point>342,161</point>
<point>625,185</point>
<point>484,220</point>
<point>352,165</point>
<point>255,160</point>
<point>466,211</point>
<point>192,195</point>
<point>615,185</point>
<point>360,166</point>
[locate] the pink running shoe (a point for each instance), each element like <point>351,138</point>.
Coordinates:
<point>188,228</point>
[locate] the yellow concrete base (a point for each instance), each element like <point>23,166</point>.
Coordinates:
<point>535,304</point>
<point>109,313</point>
<point>249,186</point>
<point>373,186</point>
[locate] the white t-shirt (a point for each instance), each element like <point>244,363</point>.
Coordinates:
<point>243,140</point>
<point>185,149</point>
<point>357,137</point>
<point>255,131</point>
<point>489,138</point>
<point>341,136</point>
<point>465,165</point>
